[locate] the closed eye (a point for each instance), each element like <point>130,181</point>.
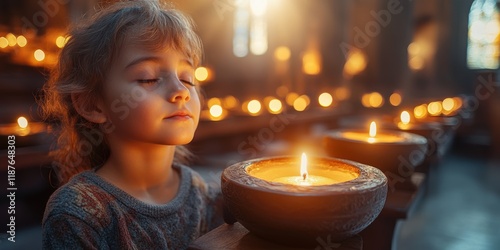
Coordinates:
<point>150,84</point>
<point>148,81</point>
<point>188,82</point>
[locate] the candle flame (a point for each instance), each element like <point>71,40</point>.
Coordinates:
<point>22,122</point>
<point>303,166</point>
<point>373,129</point>
<point>405,117</point>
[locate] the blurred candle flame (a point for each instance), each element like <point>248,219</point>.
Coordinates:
<point>22,122</point>
<point>405,117</point>
<point>303,166</point>
<point>373,129</point>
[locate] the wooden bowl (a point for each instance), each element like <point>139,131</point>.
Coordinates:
<point>398,158</point>
<point>300,215</point>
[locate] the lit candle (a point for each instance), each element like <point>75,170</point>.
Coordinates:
<point>432,131</point>
<point>321,174</point>
<point>305,179</point>
<point>405,120</point>
<point>372,136</point>
<point>297,213</point>
<point>405,123</point>
<point>386,150</point>
<point>23,126</point>
<point>27,133</point>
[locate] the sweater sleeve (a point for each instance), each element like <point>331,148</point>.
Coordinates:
<point>212,200</point>
<point>215,205</point>
<point>63,231</point>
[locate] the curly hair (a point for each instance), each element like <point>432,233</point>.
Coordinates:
<point>82,67</point>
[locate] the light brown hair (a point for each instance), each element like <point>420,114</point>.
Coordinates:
<point>82,67</point>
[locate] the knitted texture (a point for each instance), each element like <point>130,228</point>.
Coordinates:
<point>90,213</point>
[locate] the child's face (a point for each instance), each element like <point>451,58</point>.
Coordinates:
<point>149,96</point>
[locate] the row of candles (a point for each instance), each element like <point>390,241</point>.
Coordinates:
<point>402,132</point>
<point>33,50</point>
<point>219,108</point>
<point>332,177</point>
<point>23,128</point>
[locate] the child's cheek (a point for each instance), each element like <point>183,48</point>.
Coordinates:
<point>122,101</point>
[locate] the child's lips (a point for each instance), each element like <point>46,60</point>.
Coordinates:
<point>181,114</point>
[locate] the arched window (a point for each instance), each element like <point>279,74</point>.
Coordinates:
<point>250,25</point>
<point>484,39</point>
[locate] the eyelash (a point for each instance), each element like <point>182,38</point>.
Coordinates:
<point>156,80</point>
<point>148,81</point>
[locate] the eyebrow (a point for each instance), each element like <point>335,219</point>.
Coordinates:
<point>188,62</point>
<point>154,59</point>
<point>143,59</point>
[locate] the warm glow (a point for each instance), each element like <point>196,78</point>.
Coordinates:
<point>405,117</point>
<point>420,111</point>
<point>342,93</point>
<point>376,100</point>
<point>301,103</point>
<point>213,101</point>
<point>373,129</point>
<point>416,63</point>
<point>395,99</point>
<point>282,90</point>
<point>303,166</point>
<point>22,122</point>
<point>11,39</point>
<point>291,97</point>
<point>365,100</point>
<point>458,103</point>
<point>216,110</point>
<point>258,7</point>
<point>230,102</point>
<point>435,108</point>
<point>258,33</point>
<point>325,99</point>
<point>201,74</point>
<point>284,173</point>
<point>448,104</point>
<point>39,55</point>
<point>355,63</point>
<point>254,106</point>
<point>311,62</point>
<point>21,41</point>
<point>4,42</point>
<point>413,49</point>
<point>257,22</point>
<point>275,106</point>
<point>282,53</point>
<point>60,42</point>
<point>241,30</point>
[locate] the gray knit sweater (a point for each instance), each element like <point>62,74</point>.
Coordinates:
<point>90,213</point>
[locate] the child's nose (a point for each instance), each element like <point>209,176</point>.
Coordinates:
<point>178,92</point>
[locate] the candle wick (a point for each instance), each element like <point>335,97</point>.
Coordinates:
<point>304,175</point>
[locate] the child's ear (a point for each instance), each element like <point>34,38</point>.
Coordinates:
<point>93,112</point>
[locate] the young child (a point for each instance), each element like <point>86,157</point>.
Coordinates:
<point>124,95</point>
